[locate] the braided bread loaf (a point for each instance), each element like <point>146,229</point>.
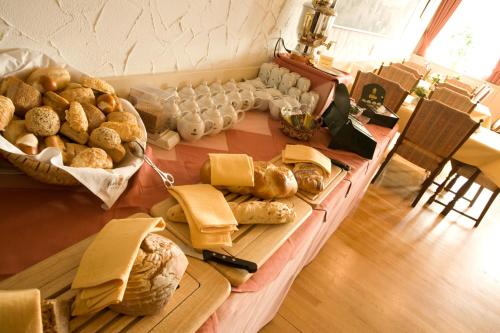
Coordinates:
<point>270,181</point>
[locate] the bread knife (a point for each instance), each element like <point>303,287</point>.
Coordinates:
<point>340,164</point>
<point>207,255</point>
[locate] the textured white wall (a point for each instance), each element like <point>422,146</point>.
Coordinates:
<point>116,37</point>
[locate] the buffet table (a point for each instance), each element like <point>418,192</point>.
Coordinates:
<point>39,220</point>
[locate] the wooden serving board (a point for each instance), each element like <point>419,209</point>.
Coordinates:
<point>256,242</point>
<point>336,176</point>
<point>201,291</point>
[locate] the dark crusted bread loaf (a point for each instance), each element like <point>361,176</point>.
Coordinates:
<point>157,271</point>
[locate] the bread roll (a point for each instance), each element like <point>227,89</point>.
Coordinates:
<point>270,181</point>
<point>76,118</point>
<point>72,149</point>
<point>95,116</point>
<point>49,79</point>
<point>122,117</point>
<point>55,141</point>
<point>92,158</point>
<point>104,138</point>
<point>58,103</point>
<point>7,109</point>
<point>23,96</point>
<point>97,85</point>
<point>250,212</point>
<point>28,143</point>
<point>106,103</point>
<point>42,121</point>
<point>310,177</point>
<point>128,132</point>
<point>109,140</point>
<point>14,130</point>
<point>116,153</point>
<point>80,137</point>
<point>80,95</point>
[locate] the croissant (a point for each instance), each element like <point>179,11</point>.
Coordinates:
<point>310,177</point>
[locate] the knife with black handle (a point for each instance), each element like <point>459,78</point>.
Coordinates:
<point>223,259</point>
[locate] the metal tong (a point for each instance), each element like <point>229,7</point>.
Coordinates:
<point>139,151</point>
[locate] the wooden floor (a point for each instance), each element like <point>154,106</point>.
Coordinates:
<point>391,268</point>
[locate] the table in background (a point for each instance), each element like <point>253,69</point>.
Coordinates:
<point>482,149</point>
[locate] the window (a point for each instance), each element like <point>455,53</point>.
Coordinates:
<point>469,42</point>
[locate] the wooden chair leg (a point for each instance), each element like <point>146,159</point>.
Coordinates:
<point>441,186</point>
<point>425,186</point>
<point>488,204</point>
<point>478,193</point>
<point>452,183</point>
<point>460,193</point>
<point>387,159</point>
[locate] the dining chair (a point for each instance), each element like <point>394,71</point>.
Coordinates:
<point>405,79</point>
<point>460,84</point>
<point>433,134</point>
<point>473,175</point>
<point>421,69</point>
<point>454,88</point>
<point>451,98</point>
<point>394,93</point>
<point>406,68</point>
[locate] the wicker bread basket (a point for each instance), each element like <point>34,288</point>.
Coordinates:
<point>41,171</point>
<point>297,133</point>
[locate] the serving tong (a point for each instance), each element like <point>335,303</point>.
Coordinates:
<point>139,151</point>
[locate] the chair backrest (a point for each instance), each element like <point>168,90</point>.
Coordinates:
<point>433,134</point>
<point>394,93</point>
<point>405,79</point>
<point>421,69</point>
<point>454,88</point>
<point>406,68</point>
<point>455,100</point>
<point>460,84</point>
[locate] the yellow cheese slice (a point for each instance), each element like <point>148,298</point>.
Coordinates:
<point>231,169</point>
<point>106,264</point>
<point>20,311</point>
<point>306,154</point>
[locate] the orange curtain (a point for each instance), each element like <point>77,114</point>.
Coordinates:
<point>495,75</point>
<point>443,13</point>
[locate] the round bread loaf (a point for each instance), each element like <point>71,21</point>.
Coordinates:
<point>42,121</point>
<point>92,158</point>
<point>105,138</point>
<point>157,270</point>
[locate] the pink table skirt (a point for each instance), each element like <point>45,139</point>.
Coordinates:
<point>38,220</point>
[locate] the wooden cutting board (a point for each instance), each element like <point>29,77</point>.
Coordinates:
<point>201,291</point>
<point>255,243</point>
<point>336,176</point>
